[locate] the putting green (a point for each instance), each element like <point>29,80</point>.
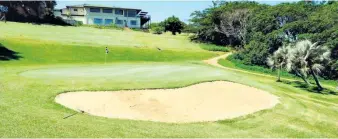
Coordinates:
<point>128,71</point>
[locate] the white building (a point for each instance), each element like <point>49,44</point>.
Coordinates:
<point>103,15</point>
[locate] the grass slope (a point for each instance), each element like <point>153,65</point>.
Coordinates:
<point>43,52</point>
<point>96,37</point>
<point>27,101</point>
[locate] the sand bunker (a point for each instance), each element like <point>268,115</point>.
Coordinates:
<point>210,101</point>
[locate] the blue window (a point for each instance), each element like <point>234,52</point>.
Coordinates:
<point>107,10</point>
<point>108,21</point>
<point>95,10</point>
<point>118,11</point>
<point>119,21</point>
<point>132,13</point>
<point>97,21</point>
<point>133,22</point>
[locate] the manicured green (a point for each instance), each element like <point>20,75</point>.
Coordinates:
<point>29,85</point>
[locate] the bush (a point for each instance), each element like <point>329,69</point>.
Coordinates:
<point>158,30</point>
<point>111,26</point>
<point>254,53</point>
<point>78,23</point>
<point>212,47</point>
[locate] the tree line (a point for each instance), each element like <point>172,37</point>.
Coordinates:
<point>259,30</point>
<point>32,12</point>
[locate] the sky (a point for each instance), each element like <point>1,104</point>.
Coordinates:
<point>159,10</point>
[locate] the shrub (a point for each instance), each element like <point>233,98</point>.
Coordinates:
<point>111,26</point>
<point>212,47</point>
<point>158,30</point>
<point>78,23</point>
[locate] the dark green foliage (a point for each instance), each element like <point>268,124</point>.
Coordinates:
<point>211,47</point>
<point>269,27</point>
<point>172,24</point>
<point>111,26</point>
<point>254,53</point>
<point>32,12</point>
<point>78,23</point>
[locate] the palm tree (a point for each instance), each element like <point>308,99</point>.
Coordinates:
<point>307,57</point>
<point>297,65</point>
<point>279,59</point>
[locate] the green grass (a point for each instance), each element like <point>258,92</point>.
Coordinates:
<point>43,52</point>
<point>97,37</point>
<point>29,85</point>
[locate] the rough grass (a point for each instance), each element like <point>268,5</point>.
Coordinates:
<point>237,64</point>
<point>28,109</point>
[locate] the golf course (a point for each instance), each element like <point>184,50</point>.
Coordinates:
<point>59,82</point>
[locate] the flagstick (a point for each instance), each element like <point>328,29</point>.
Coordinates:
<point>105,58</point>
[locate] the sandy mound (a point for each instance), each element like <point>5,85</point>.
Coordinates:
<point>209,101</point>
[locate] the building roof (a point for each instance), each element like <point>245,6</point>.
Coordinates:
<point>100,6</point>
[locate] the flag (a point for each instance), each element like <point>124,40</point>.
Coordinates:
<point>107,51</point>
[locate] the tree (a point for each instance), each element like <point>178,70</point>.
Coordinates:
<point>173,24</point>
<point>279,59</point>
<point>233,24</point>
<point>308,58</point>
<point>262,29</point>
<point>32,11</point>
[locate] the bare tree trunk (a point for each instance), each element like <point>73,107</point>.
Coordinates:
<point>316,79</point>
<point>303,78</point>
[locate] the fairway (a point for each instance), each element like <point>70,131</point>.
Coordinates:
<point>46,66</point>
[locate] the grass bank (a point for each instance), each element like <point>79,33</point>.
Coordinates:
<point>31,51</point>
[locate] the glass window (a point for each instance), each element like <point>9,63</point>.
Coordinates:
<point>94,10</point>
<point>107,11</point>
<point>97,21</point>
<point>108,21</point>
<point>75,10</point>
<point>119,21</point>
<point>118,11</point>
<point>133,22</point>
<point>132,13</point>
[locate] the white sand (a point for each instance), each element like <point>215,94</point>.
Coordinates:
<point>210,101</point>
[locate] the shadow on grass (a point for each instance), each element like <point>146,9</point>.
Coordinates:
<point>310,88</point>
<point>7,54</point>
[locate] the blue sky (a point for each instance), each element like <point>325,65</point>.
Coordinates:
<point>159,10</point>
